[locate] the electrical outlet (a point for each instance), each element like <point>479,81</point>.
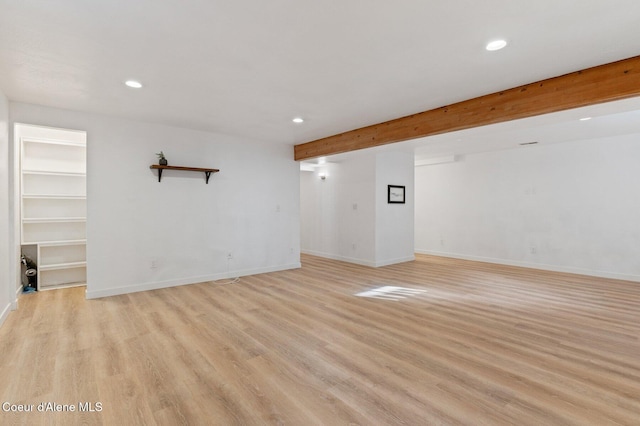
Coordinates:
<point>153,264</point>
<point>229,256</point>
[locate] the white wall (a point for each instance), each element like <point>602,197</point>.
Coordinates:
<point>571,207</point>
<point>7,290</point>
<point>394,222</point>
<point>339,212</point>
<point>346,216</point>
<point>185,227</point>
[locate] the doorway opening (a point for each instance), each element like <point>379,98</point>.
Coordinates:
<point>51,207</point>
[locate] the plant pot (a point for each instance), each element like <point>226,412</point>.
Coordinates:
<point>163,162</point>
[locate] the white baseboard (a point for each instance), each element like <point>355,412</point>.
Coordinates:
<point>395,261</point>
<point>5,313</point>
<point>543,267</point>
<point>91,294</point>
<point>340,258</point>
<point>14,302</point>
<point>359,261</point>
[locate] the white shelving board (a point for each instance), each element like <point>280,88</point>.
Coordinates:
<point>53,209</point>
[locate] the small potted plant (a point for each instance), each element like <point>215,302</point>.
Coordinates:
<point>162,160</point>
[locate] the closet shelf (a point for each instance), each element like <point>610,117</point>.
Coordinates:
<point>207,172</point>
<point>32,140</point>
<point>62,243</point>
<point>58,266</point>
<point>54,197</point>
<point>52,173</point>
<point>46,287</point>
<point>53,219</point>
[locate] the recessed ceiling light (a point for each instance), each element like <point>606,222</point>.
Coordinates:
<point>585,119</point>
<point>298,120</point>
<point>133,83</point>
<point>496,45</point>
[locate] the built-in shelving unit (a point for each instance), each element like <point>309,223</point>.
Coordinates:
<point>54,209</point>
<point>160,168</point>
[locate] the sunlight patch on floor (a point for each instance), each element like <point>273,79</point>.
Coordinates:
<point>389,292</point>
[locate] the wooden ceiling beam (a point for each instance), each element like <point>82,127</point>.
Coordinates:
<point>604,83</point>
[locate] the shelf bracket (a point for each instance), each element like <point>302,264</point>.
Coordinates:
<point>207,176</point>
<point>159,175</point>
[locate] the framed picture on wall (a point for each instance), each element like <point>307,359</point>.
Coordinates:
<point>395,194</point>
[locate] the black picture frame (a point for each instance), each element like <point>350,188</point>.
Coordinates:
<point>395,194</point>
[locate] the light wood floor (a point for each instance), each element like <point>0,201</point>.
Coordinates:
<point>482,345</point>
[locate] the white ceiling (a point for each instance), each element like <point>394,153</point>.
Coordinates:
<point>248,67</point>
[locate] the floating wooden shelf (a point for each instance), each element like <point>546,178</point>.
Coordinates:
<point>207,172</point>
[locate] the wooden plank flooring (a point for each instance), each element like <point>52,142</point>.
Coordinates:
<point>483,345</point>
